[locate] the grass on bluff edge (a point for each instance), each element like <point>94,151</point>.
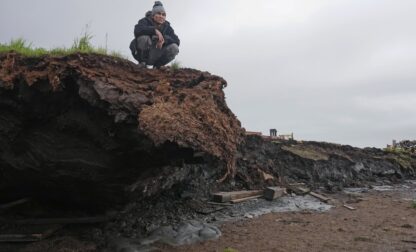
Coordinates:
<point>80,45</point>
<point>176,65</point>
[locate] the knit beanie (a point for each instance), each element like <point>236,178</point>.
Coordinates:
<point>157,7</point>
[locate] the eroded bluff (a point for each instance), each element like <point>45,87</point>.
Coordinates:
<point>95,129</point>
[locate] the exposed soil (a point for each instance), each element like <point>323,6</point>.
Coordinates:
<point>382,221</point>
<point>97,130</point>
<point>84,135</point>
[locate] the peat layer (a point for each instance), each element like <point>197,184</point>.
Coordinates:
<point>93,132</point>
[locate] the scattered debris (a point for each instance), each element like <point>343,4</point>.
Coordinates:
<point>271,193</point>
<point>320,197</point>
<point>299,188</point>
<point>223,197</point>
<point>349,207</point>
<point>247,198</point>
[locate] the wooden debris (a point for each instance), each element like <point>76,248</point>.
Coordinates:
<point>223,197</point>
<point>320,197</point>
<point>349,207</point>
<point>299,188</point>
<point>271,193</point>
<point>244,199</point>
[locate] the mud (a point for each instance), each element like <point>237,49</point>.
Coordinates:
<point>382,221</point>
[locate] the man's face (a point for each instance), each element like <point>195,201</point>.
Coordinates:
<point>159,17</point>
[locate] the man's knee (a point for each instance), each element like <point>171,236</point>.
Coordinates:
<point>172,50</point>
<point>144,42</point>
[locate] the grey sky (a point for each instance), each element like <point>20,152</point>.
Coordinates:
<point>340,71</point>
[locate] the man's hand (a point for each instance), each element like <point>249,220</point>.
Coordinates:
<point>161,39</point>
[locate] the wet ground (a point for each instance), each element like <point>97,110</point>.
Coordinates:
<point>384,219</point>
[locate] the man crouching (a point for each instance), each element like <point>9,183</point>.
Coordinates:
<point>155,41</point>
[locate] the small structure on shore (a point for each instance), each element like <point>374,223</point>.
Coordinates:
<point>273,135</point>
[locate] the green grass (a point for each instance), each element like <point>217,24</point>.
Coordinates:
<point>176,65</point>
<point>80,45</point>
<point>230,250</point>
<point>413,204</point>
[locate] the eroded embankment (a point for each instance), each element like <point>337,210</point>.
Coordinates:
<point>319,164</point>
<point>89,128</point>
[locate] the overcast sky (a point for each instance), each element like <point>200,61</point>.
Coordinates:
<point>341,71</point>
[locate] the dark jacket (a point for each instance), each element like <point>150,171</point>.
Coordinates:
<point>145,26</point>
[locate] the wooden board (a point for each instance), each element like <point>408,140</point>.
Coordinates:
<point>271,193</point>
<point>299,189</point>
<point>320,197</point>
<point>223,197</point>
<point>244,199</point>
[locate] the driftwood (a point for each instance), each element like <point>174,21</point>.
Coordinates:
<point>247,198</point>
<point>320,197</point>
<point>223,197</point>
<point>349,207</point>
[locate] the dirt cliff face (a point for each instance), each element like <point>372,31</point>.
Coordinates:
<point>318,164</point>
<point>91,125</point>
<point>91,130</point>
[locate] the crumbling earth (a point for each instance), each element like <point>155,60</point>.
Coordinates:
<point>85,135</point>
<point>92,129</point>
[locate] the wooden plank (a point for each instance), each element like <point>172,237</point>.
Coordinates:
<point>300,190</point>
<point>223,197</point>
<point>271,193</point>
<point>244,199</point>
<point>349,207</point>
<point>320,197</point>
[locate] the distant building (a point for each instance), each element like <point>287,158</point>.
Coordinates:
<point>273,135</point>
